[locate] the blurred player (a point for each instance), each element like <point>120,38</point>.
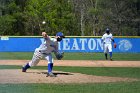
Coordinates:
<point>44,51</point>
<point>107,40</point>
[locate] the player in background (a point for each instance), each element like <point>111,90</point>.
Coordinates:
<point>44,51</point>
<point>107,40</point>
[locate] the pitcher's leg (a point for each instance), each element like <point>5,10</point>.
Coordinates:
<point>50,62</point>
<point>24,68</point>
<point>50,65</point>
<point>35,60</point>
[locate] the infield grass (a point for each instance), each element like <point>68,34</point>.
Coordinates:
<point>72,56</point>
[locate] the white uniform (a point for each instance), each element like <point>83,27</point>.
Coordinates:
<point>44,51</point>
<point>107,42</point>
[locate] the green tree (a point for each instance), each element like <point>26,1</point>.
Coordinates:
<point>56,13</point>
<point>120,16</point>
<point>11,19</point>
<point>6,25</point>
<point>72,17</point>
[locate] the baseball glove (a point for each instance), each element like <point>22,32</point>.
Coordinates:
<point>59,55</point>
<point>115,45</point>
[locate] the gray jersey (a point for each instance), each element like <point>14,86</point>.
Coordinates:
<point>49,45</point>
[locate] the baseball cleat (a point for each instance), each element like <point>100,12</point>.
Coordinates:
<point>50,74</point>
<point>23,69</point>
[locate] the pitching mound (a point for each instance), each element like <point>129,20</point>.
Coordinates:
<point>39,76</point>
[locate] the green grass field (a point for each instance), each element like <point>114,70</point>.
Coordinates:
<point>120,87</point>
<point>72,56</point>
<point>117,87</point>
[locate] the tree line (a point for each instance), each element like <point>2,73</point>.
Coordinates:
<point>72,17</point>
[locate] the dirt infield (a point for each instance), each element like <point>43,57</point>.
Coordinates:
<point>81,63</point>
<point>39,76</point>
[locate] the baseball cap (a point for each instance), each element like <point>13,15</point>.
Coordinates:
<point>60,34</point>
<point>107,30</point>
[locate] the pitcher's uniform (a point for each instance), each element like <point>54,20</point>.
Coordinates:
<point>44,51</point>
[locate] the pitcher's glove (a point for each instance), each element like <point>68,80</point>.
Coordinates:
<point>115,45</point>
<point>59,55</point>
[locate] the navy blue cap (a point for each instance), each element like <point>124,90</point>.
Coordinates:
<point>60,34</point>
<point>107,30</point>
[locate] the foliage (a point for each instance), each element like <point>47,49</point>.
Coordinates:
<point>57,15</point>
<point>6,25</point>
<point>72,17</point>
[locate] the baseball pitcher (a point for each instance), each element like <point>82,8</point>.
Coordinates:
<point>107,40</point>
<point>44,51</point>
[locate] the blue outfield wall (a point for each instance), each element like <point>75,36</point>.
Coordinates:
<point>28,44</point>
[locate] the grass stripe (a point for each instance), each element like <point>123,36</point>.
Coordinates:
<point>122,87</point>
<point>99,71</point>
<point>72,56</point>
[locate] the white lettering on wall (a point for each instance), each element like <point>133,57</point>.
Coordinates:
<point>66,44</point>
<point>75,45</point>
<point>99,44</point>
<point>91,44</point>
<point>83,43</point>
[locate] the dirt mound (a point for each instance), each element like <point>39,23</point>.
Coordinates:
<point>39,76</point>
